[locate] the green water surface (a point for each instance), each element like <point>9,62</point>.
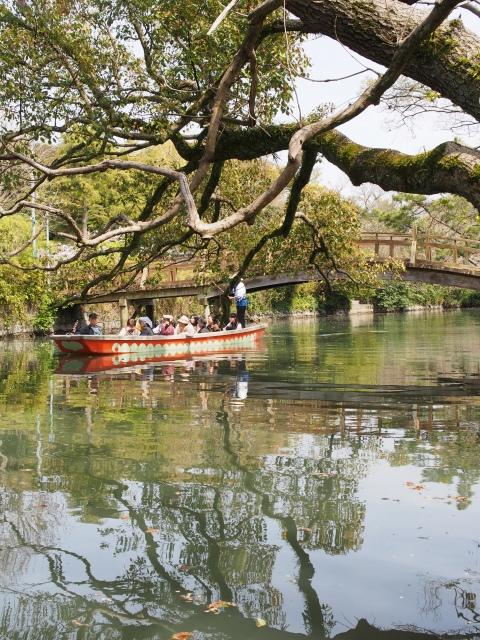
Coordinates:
<point>331,475</point>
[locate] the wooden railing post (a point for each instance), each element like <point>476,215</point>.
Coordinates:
<point>413,246</point>
<point>428,249</point>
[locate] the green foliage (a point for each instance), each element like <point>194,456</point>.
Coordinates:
<point>23,293</point>
<point>446,216</point>
<point>46,312</point>
<point>399,296</point>
<point>394,296</point>
<point>139,61</point>
<point>304,298</point>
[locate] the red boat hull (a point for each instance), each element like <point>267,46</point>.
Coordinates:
<point>154,346</point>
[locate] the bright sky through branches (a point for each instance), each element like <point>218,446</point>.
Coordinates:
<point>375,127</point>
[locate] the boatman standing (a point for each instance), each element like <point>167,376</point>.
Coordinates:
<point>239,294</point>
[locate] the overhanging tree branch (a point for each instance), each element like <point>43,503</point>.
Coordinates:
<point>446,62</point>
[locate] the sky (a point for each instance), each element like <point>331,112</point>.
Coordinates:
<point>375,127</point>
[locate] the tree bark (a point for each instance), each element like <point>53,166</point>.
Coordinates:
<point>448,168</point>
<point>449,62</point>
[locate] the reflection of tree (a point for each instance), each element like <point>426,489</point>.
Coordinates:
<point>464,601</point>
<point>456,452</point>
<point>218,533</point>
<point>207,505</point>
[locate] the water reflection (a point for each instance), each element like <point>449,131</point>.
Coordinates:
<point>132,499</point>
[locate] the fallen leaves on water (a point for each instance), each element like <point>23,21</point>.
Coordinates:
<point>182,635</point>
<point>461,498</point>
<point>151,530</point>
<point>184,567</point>
<point>124,516</point>
<point>187,596</point>
<point>415,486</point>
<point>260,622</point>
<point>218,605</point>
<point>79,623</point>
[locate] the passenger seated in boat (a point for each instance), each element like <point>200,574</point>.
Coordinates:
<point>184,327</point>
<point>145,329</point>
<point>130,329</point>
<point>233,323</point>
<point>202,326</point>
<point>92,328</point>
<point>213,324</point>
<point>194,322</point>
<point>148,321</point>
<point>166,327</point>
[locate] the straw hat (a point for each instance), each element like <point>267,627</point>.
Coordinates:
<point>183,320</point>
<point>166,316</point>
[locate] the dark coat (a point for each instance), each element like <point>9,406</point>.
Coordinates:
<point>86,330</point>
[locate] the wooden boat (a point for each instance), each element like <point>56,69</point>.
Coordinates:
<point>154,346</point>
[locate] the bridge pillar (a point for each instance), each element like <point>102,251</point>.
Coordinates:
<point>206,305</point>
<point>123,304</point>
<point>206,308</point>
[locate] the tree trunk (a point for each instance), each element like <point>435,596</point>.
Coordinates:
<point>448,63</point>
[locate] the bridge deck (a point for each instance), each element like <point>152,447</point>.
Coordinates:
<point>454,268</point>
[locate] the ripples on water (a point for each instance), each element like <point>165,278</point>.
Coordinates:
<point>328,477</point>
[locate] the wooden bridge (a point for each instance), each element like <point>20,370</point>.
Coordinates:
<point>452,262</point>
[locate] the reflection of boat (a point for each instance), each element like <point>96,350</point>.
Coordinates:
<point>154,346</point>
<point>83,364</point>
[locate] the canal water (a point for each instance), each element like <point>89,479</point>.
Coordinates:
<point>329,476</point>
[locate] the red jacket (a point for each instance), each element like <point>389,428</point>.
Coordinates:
<point>167,331</point>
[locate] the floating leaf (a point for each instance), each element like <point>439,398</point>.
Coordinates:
<point>415,486</point>
<point>182,635</point>
<point>461,498</point>
<point>260,622</point>
<point>187,596</point>
<point>79,623</point>
<point>151,530</point>
<point>218,605</point>
<point>124,516</point>
<point>184,567</point>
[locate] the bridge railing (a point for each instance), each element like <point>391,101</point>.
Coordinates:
<point>415,247</point>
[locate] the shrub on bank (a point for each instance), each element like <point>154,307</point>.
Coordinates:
<point>389,297</point>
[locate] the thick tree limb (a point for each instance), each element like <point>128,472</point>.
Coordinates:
<point>448,168</point>
<point>447,62</point>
